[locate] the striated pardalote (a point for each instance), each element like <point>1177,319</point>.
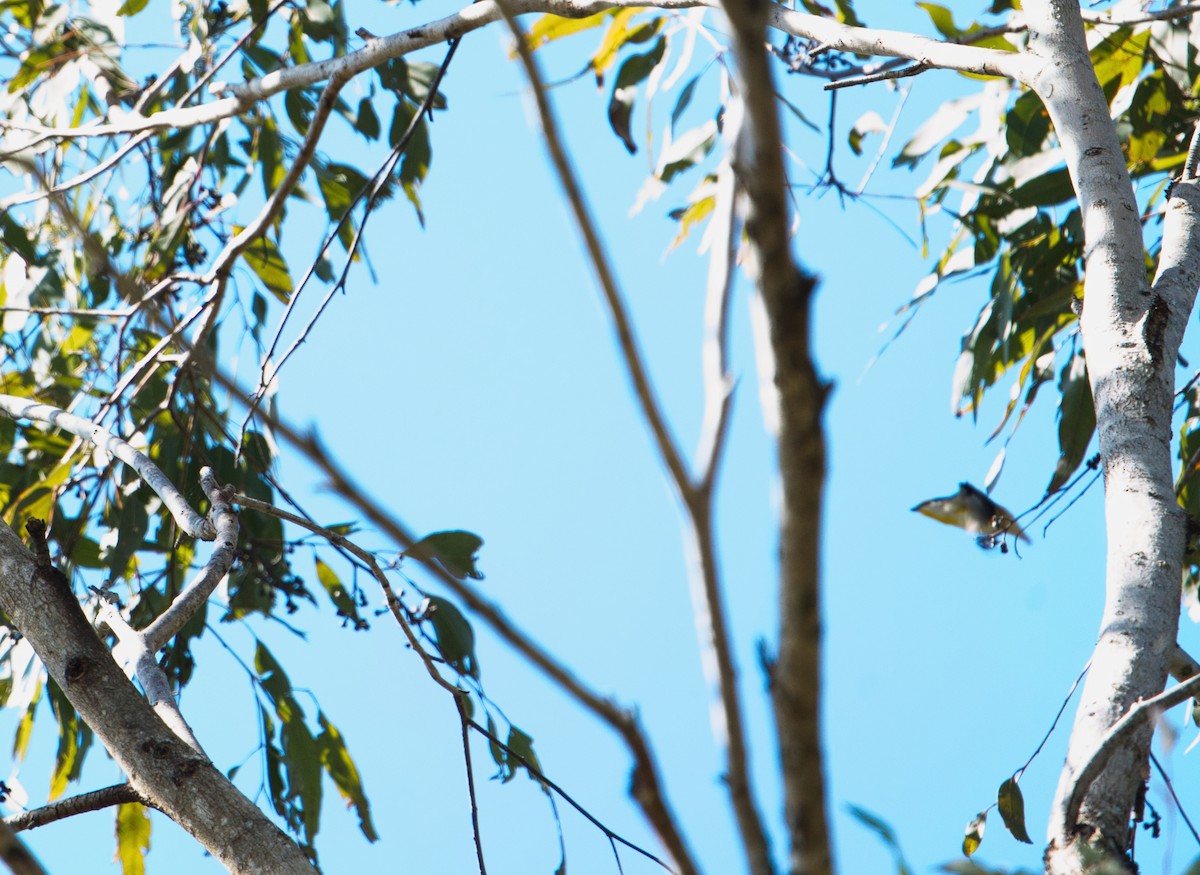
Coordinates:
<point>972,510</point>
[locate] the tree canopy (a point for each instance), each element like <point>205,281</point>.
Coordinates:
<point>179,228</point>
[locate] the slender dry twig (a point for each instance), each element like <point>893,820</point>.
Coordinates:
<point>189,520</point>
<point>371,192</point>
<point>94,800</point>
<point>1162,773</point>
<point>903,73</point>
<point>393,602</point>
<point>646,784</point>
<point>710,613</point>
<point>541,776</point>
<point>465,722</point>
<point>368,559</point>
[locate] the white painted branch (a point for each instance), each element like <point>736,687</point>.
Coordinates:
<point>189,520</point>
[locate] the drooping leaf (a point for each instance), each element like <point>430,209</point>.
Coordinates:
<point>886,835</point>
<point>133,837</point>
<point>454,550</point>
<point>1012,810</point>
<point>341,598</point>
<point>341,768</point>
<point>620,106</point>
<point>455,637</point>
<point>1076,420</point>
<point>974,833</point>
<point>265,259</point>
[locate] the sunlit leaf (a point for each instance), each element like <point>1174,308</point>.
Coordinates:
<point>265,259</point>
<point>974,834</point>
<point>133,837</point>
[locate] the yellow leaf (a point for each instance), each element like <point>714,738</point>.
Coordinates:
<point>133,838</point>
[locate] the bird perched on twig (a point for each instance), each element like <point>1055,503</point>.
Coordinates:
<point>972,510</point>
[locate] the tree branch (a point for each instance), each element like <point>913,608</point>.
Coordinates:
<point>167,625</point>
<point>178,781</point>
<point>95,800</point>
<point>189,520</point>
<point>708,606</point>
<point>15,855</point>
<point>1118,736</point>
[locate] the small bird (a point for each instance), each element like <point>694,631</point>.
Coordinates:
<point>972,510</point>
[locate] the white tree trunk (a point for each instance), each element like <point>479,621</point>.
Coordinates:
<point>180,782</point>
<point>1131,332</point>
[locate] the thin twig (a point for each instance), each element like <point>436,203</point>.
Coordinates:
<point>1054,723</point>
<point>1178,804</point>
<point>883,76</point>
<point>541,776</point>
<point>368,559</point>
<point>95,800</point>
<point>465,722</point>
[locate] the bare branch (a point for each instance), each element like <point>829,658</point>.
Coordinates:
<point>189,520</point>
<point>902,73</point>
<point>797,394</point>
<point>15,855</point>
<point>167,625</point>
<point>95,800</point>
<point>1118,735</point>
<point>465,722</point>
<point>131,649</point>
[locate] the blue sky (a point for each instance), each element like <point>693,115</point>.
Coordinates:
<point>476,386</point>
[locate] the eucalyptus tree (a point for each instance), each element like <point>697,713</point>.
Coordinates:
<point>115,365</point>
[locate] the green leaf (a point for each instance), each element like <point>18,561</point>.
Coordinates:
<point>341,768</point>
<point>268,265</point>
<point>886,835</point>
<point>132,7</point>
<point>1012,810</point>
<point>869,122</point>
<point>367,122</point>
<point>685,98</point>
<point>620,33</point>
<point>71,744</point>
<point>1076,420</point>
<point>340,184</point>
<point>454,550</point>
<point>974,834</point>
<point>1027,125</point>
<point>942,19</point>
<point>342,600</point>
<point>521,745</point>
<point>455,637</point>
<point>133,837</point>
<point>620,105</point>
